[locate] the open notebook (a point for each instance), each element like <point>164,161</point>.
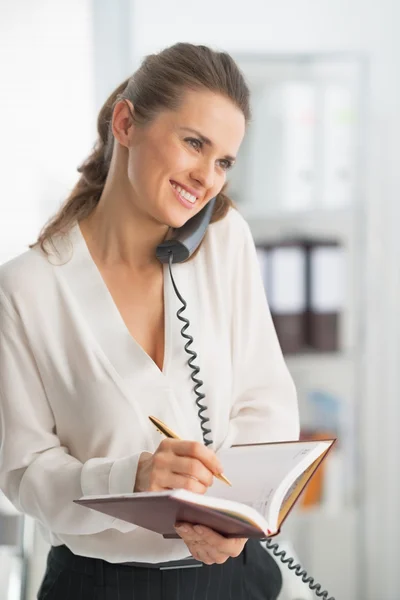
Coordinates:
<point>267,480</point>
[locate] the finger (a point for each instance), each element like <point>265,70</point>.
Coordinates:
<point>200,551</point>
<point>195,551</point>
<point>166,480</point>
<point>165,473</point>
<point>199,547</point>
<point>187,533</point>
<point>200,452</point>
<point>220,559</point>
<point>166,459</point>
<point>230,546</point>
<point>218,547</point>
<point>206,553</point>
<point>192,467</point>
<point>199,534</point>
<point>205,557</point>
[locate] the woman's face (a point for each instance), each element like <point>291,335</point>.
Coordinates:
<point>180,160</point>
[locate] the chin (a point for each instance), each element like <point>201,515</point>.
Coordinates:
<point>177,223</point>
<point>175,219</point>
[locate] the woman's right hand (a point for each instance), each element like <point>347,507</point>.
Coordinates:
<point>177,464</point>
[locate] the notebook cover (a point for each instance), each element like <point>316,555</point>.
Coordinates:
<point>160,515</point>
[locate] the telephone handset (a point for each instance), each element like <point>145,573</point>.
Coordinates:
<point>188,237</point>
<point>179,249</point>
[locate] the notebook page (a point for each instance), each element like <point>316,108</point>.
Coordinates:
<point>256,471</point>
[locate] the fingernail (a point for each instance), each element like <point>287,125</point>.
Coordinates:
<point>198,529</point>
<point>182,528</point>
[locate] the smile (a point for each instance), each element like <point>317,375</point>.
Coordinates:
<point>183,193</point>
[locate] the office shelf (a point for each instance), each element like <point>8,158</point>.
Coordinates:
<point>260,192</point>
<point>315,223</point>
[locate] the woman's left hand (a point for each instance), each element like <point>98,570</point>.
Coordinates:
<point>208,546</point>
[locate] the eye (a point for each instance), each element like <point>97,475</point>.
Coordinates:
<point>194,142</point>
<point>226,164</point>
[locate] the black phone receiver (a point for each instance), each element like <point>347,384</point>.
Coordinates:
<point>188,237</point>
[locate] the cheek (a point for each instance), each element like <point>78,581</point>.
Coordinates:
<point>158,161</point>
<point>173,159</point>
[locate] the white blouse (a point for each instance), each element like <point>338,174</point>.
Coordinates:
<point>76,389</point>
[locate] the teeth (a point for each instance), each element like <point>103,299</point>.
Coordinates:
<point>184,193</point>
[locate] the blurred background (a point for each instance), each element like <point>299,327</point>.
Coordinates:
<point>317,179</point>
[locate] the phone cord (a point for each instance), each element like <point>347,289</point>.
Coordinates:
<point>193,355</point>
<point>271,545</point>
<point>297,568</point>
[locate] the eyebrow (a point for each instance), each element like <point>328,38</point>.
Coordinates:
<point>207,141</point>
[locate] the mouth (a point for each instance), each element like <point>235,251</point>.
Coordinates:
<point>184,196</point>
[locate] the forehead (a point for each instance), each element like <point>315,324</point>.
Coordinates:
<point>212,115</point>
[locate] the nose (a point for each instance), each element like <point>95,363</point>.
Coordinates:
<point>204,173</point>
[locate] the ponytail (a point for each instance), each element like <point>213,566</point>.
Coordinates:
<point>94,170</point>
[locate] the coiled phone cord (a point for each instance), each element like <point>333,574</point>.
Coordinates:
<point>193,355</point>
<point>271,545</point>
<point>299,571</point>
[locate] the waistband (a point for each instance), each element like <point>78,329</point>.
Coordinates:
<point>63,556</point>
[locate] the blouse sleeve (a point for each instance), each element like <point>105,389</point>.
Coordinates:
<point>37,473</point>
<point>265,402</point>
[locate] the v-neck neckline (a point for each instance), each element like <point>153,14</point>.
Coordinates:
<point>103,315</point>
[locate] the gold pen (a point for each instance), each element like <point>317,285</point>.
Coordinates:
<point>171,434</point>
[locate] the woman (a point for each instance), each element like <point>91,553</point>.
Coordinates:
<point>91,345</point>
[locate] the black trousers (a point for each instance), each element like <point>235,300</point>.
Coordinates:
<point>254,575</point>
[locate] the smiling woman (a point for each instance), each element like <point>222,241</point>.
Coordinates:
<point>187,100</point>
<point>95,349</point>
<point>162,162</point>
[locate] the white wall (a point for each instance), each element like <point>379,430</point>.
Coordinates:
<point>47,127</point>
<point>370,27</point>
<point>46,97</point>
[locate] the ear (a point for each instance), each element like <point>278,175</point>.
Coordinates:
<point>122,122</point>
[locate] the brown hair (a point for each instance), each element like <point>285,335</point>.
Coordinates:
<point>158,84</point>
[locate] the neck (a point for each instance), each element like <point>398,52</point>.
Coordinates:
<point>120,236</point>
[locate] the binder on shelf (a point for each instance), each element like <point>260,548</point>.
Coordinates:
<point>326,294</point>
<point>287,295</point>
